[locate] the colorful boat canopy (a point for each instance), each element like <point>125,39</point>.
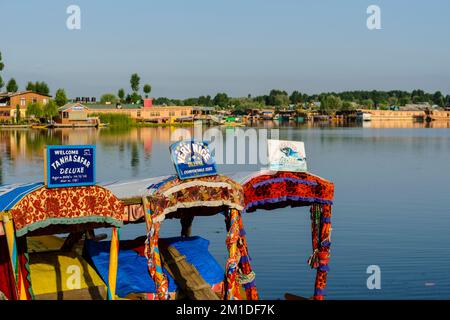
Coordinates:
<point>13,193</point>
<point>172,194</point>
<point>275,189</point>
<point>37,209</point>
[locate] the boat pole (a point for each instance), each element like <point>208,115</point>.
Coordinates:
<point>113,262</point>
<point>8,226</point>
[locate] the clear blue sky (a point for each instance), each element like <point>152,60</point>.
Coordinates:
<point>194,47</point>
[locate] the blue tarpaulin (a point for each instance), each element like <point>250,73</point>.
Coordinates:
<point>133,275</point>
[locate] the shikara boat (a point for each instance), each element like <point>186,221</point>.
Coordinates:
<point>36,264</point>
<point>155,200</point>
<point>270,190</point>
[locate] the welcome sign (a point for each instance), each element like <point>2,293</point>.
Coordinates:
<point>69,166</point>
<point>192,159</point>
<point>287,156</point>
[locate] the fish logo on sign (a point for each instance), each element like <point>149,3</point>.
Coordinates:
<point>287,156</point>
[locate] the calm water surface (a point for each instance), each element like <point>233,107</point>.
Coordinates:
<point>391,206</point>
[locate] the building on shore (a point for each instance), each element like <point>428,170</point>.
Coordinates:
<point>76,112</point>
<point>10,100</point>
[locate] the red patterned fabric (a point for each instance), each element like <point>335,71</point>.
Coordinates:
<point>45,207</point>
<point>279,188</point>
<point>7,282</point>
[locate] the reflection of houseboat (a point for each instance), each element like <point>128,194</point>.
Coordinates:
<point>267,114</point>
<point>363,116</point>
<point>286,115</point>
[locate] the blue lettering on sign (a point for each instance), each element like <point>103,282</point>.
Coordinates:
<point>70,166</point>
<point>192,159</point>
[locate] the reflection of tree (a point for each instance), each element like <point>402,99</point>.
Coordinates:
<point>134,157</point>
<point>1,172</point>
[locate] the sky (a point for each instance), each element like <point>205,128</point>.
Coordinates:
<point>188,48</point>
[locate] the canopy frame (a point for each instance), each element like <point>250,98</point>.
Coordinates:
<point>275,189</point>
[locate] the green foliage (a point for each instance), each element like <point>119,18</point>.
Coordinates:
<point>2,65</point>
<point>134,82</point>
<point>368,103</point>
<point>115,119</point>
<point>147,89</point>
<point>347,106</point>
<point>34,110</point>
<point>17,114</point>
<point>108,98</point>
<point>133,98</point>
<point>221,100</point>
<point>329,103</point>
<point>277,98</point>
<point>121,94</point>
<point>60,97</point>
<point>242,104</point>
<point>12,86</point>
<point>1,83</point>
<point>38,87</point>
<point>50,110</point>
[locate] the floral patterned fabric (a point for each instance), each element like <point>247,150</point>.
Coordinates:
<point>211,191</point>
<point>45,207</point>
<point>279,188</point>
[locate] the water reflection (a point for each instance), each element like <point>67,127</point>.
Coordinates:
<point>391,206</point>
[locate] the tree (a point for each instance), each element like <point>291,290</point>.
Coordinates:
<point>368,103</point>
<point>281,100</point>
<point>296,97</point>
<point>438,99</point>
<point>34,110</point>
<point>60,97</point>
<point>12,86</point>
<point>330,102</point>
<point>134,82</point>
<point>17,113</point>
<point>392,101</point>
<point>38,87</point>
<point>403,101</point>
<point>347,105</point>
<point>50,110</point>
<point>205,101</point>
<point>108,98</point>
<point>147,89</point>
<point>2,65</point>
<point>221,100</point>
<point>276,96</point>
<point>121,94</point>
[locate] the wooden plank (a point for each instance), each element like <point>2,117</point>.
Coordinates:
<point>289,296</point>
<point>186,275</point>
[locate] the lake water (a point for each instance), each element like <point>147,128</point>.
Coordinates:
<point>391,204</point>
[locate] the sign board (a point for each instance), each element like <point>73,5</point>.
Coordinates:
<point>287,156</point>
<point>192,159</point>
<point>69,166</point>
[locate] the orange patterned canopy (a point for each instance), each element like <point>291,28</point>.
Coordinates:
<point>48,211</point>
